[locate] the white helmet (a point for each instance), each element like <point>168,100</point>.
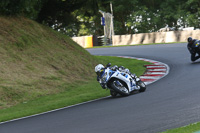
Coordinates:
<point>99,67</point>
<point>126,70</point>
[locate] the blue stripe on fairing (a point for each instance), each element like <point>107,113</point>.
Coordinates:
<point>112,72</point>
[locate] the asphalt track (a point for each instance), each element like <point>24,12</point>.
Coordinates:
<point>171,102</point>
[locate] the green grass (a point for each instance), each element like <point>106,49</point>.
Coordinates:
<point>135,66</point>
<point>192,128</point>
<point>74,93</point>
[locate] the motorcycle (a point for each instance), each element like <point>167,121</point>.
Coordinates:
<point>197,45</point>
<point>120,82</point>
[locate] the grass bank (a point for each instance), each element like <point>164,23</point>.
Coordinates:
<point>42,69</point>
<point>37,61</point>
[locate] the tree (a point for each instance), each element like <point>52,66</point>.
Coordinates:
<point>25,8</point>
<point>82,17</point>
<point>192,8</point>
<point>122,11</point>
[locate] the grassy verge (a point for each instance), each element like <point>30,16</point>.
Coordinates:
<point>75,93</point>
<point>192,128</point>
<point>135,45</point>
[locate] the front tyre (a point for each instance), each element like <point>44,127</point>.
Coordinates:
<point>142,86</point>
<point>113,93</point>
<point>118,87</point>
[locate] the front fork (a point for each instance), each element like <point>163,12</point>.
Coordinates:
<point>136,86</point>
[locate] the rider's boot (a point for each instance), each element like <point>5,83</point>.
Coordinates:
<point>137,87</point>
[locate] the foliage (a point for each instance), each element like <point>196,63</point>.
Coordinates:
<point>28,8</point>
<point>82,17</point>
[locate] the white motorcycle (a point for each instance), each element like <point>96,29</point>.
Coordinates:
<point>119,81</point>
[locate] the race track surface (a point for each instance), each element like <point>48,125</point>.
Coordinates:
<point>171,102</point>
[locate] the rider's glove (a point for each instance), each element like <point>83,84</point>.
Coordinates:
<point>133,76</point>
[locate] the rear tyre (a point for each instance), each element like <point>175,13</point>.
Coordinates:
<point>142,86</point>
<point>119,87</point>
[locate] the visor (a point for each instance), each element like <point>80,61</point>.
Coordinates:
<point>99,73</point>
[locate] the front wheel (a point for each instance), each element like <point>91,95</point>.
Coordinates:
<point>118,87</point>
<point>113,93</point>
<point>142,86</point>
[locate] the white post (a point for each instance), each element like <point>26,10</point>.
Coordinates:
<point>103,13</point>
<point>112,24</point>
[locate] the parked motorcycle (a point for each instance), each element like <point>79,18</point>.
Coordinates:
<point>119,81</point>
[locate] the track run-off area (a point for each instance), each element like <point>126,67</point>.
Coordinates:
<point>171,102</point>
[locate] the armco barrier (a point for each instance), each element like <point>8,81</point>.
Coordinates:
<point>144,38</point>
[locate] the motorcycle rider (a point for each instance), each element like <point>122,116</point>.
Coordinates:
<point>194,48</point>
<point>99,69</point>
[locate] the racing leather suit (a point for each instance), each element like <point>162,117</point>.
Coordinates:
<point>193,49</point>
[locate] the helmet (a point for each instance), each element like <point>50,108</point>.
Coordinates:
<point>189,39</point>
<point>126,70</point>
<point>99,67</point>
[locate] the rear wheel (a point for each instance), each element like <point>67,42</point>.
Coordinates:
<point>118,87</point>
